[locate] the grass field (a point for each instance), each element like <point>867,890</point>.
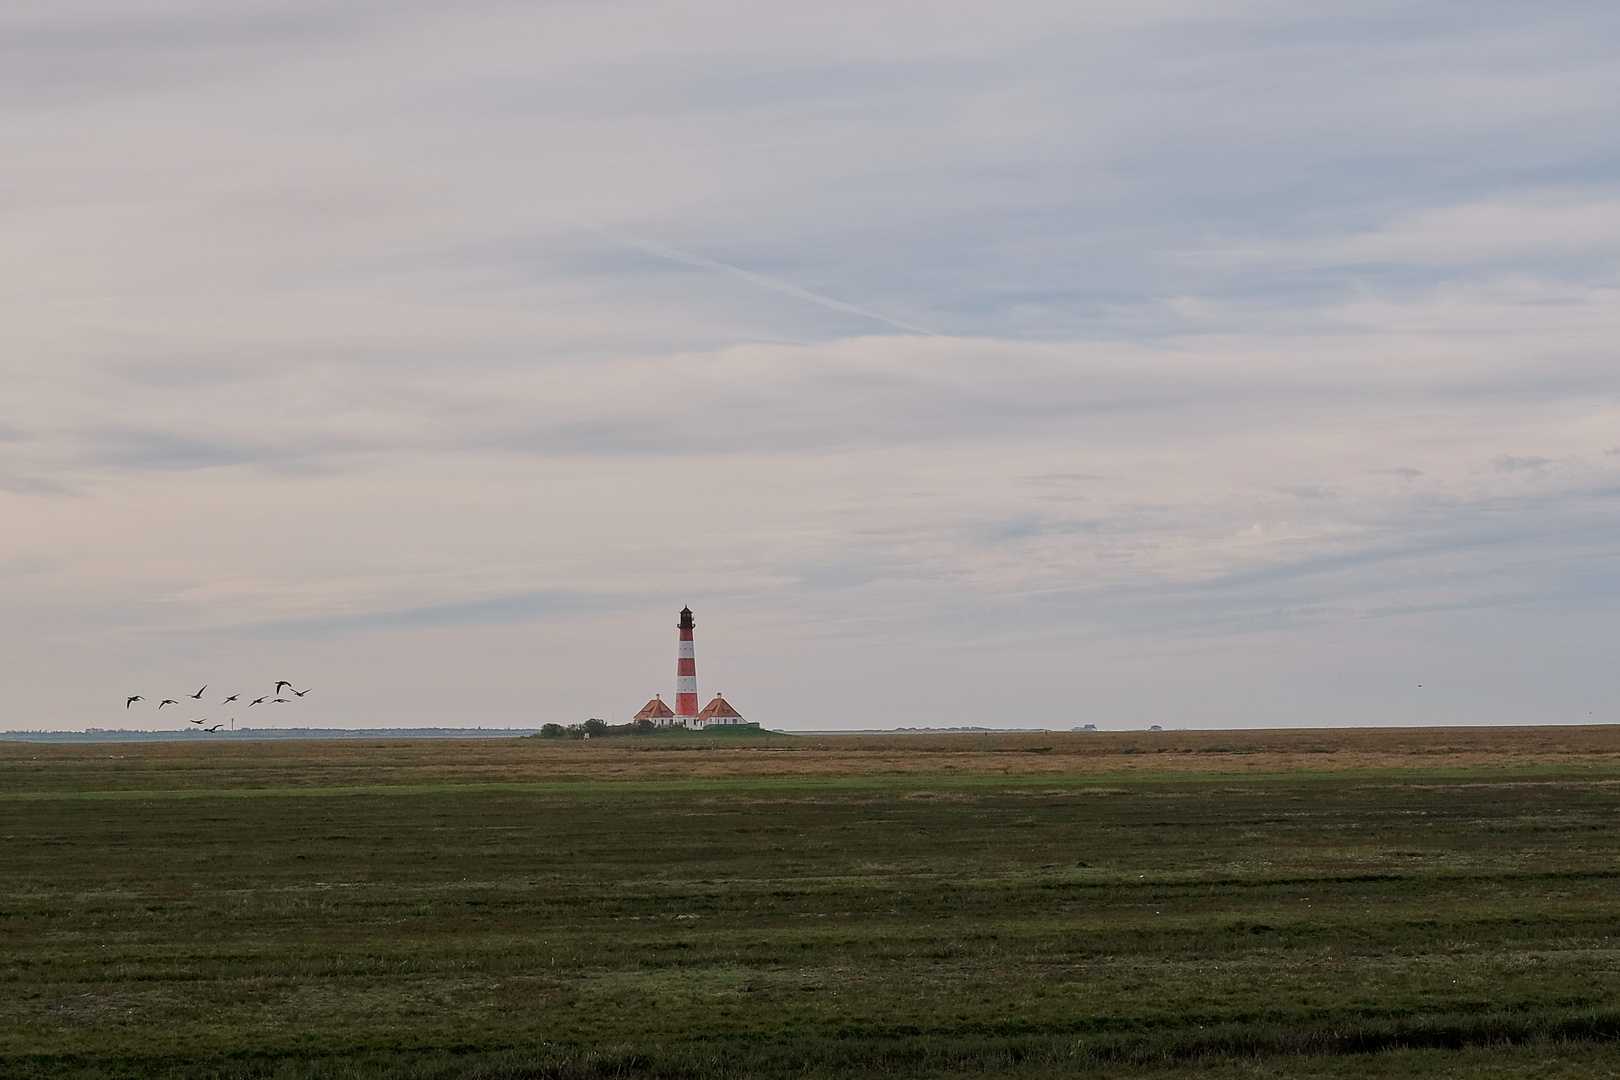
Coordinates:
<point>1251,904</point>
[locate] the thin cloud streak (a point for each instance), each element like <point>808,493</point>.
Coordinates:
<point>773,284</point>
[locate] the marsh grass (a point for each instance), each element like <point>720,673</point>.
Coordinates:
<point>385,911</point>
<point>331,764</point>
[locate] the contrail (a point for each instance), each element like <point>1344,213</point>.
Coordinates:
<point>783,287</point>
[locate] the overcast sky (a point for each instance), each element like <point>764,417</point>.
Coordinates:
<point>1029,364</point>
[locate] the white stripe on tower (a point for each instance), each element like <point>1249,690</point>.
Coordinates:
<point>686,706</point>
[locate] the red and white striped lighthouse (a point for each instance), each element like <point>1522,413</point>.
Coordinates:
<point>686,705</point>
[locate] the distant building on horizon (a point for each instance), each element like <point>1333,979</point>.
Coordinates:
<point>657,713</point>
<point>719,711</point>
<point>685,713</point>
<point>686,706</point>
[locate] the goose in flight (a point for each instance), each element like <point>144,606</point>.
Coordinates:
<point>199,723</point>
<point>198,694</point>
<point>280,701</point>
<point>216,727</point>
<point>280,683</point>
<point>300,693</point>
<point>256,700</point>
<point>167,701</point>
<point>132,699</point>
<point>230,699</point>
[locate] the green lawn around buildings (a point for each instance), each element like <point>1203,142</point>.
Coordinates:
<point>1447,922</point>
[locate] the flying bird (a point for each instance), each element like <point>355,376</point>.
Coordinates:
<point>198,694</point>
<point>280,683</point>
<point>300,693</point>
<point>132,699</point>
<point>256,700</point>
<point>216,727</point>
<point>199,723</point>
<point>167,701</point>
<point>281,701</point>
<point>230,699</point>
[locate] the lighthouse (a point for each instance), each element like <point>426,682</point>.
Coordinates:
<point>686,701</point>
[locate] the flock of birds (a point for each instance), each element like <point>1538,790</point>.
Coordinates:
<point>274,698</point>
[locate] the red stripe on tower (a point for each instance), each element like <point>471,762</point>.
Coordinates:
<point>686,706</point>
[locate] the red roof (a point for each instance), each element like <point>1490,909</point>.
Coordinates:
<point>655,710</point>
<point>718,709</point>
